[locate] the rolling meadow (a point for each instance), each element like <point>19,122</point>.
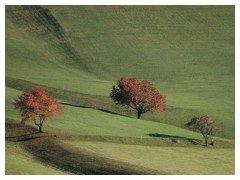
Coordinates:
<point>77,53</point>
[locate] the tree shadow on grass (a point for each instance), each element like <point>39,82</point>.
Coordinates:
<point>26,137</point>
<point>22,133</point>
<point>52,152</point>
<point>175,138</point>
<point>91,107</point>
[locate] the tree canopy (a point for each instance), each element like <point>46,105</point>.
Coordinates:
<point>139,95</point>
<point>205,125</point>
<point>37,106</point>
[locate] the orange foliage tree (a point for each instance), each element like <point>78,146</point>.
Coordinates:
<point>37,106</point>
<point>139,95</point>
<point>205,125</point>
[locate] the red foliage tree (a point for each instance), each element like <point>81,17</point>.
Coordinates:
<point>37,106</point>
<point>140,95</point>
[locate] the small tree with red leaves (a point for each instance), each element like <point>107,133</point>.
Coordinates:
<point>37,106</point>
<point>205,125</point>
<point>139,95</point>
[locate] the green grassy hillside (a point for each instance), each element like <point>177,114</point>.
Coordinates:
<point>96,134</point>
<point>78,52</point>
<point>173,160</point>
<point>187,52</point>
<point>19,162</point>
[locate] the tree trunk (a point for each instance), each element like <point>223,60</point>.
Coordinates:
<point>206,141</point>
<point>139,113</point>
<point>40,129</point>
<point>39,126</point>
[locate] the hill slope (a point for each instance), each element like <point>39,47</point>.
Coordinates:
<point>89,141</point>
<point>187,52</point>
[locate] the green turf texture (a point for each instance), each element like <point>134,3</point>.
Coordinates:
<point>19,162</point>
<point>187,52</point>
<point>79,52</point>
<point>177,160</point>
<point>126,139</point>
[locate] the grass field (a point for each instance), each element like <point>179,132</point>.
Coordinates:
<point>178,160</point>
<point>78,52</point>
<point>20,162</point>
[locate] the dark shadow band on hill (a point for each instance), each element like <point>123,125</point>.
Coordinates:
<point>89,107</point>
<point>77,99</point>
<point>27,133</point>
<point>42,17</point>
<point>176,139</point>
<point>81,161</point>
<point>51,152</point>
<point>26,137</point>
<point>23,133</point>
